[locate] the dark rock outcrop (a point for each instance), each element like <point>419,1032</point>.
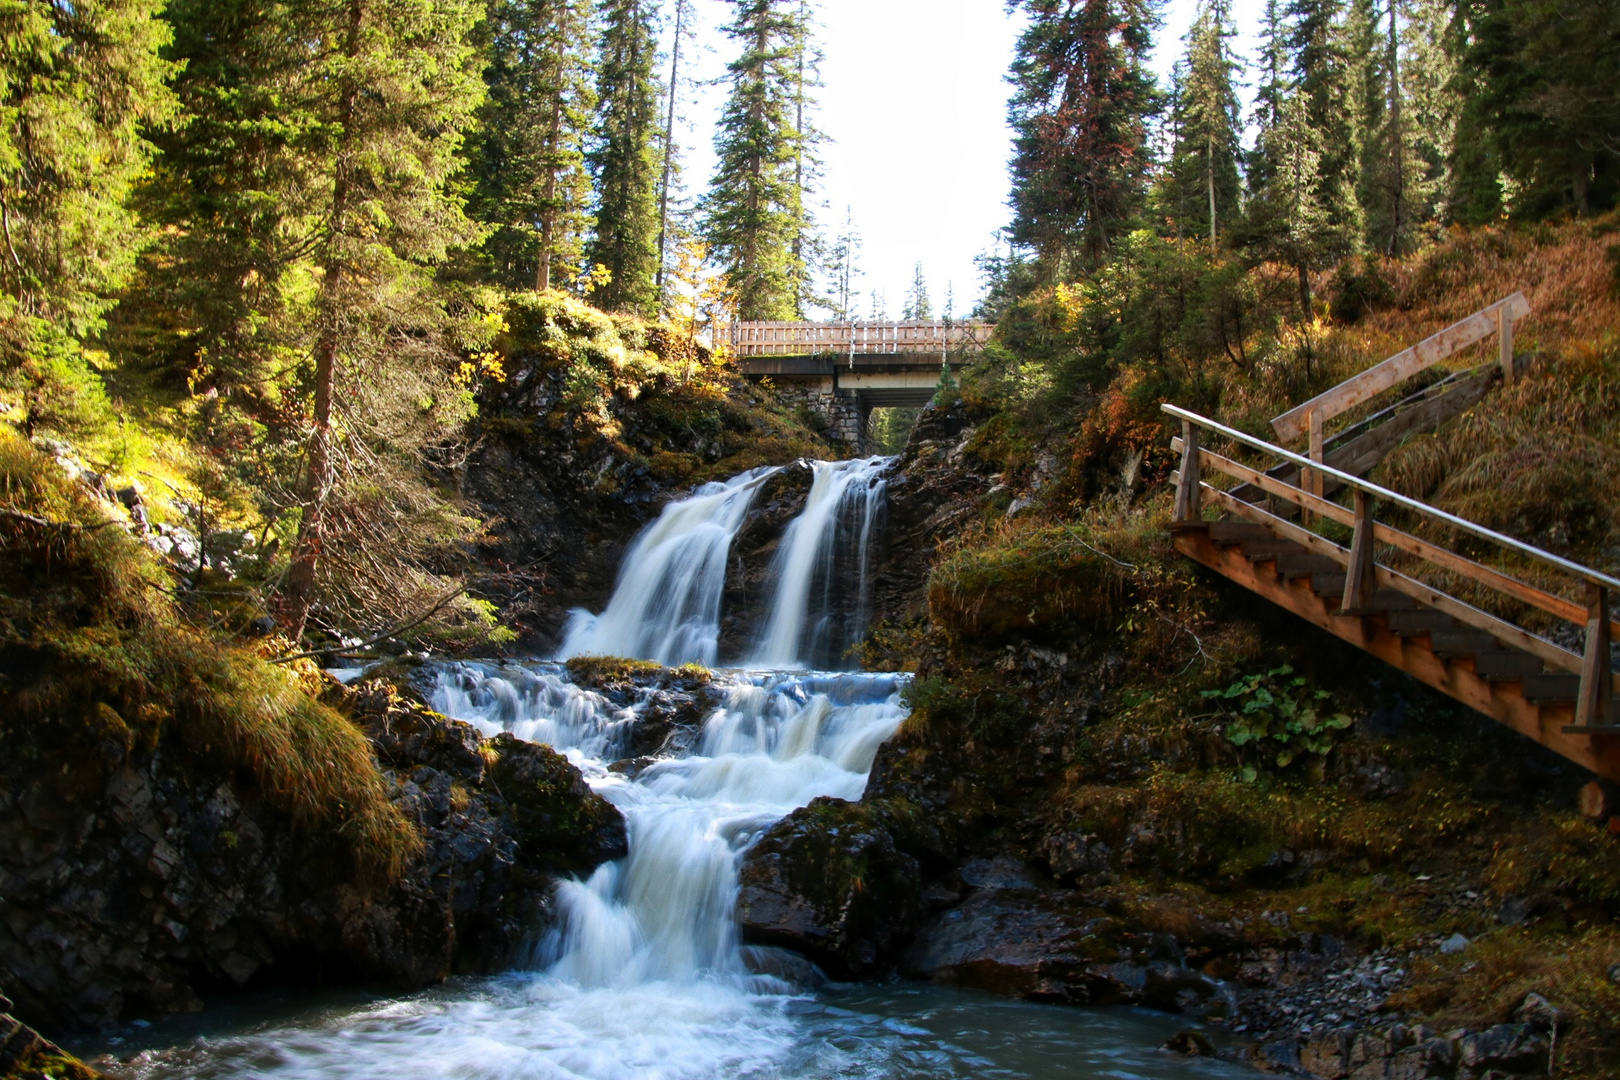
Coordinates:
<point>140,884</point>
<point>830,882</point>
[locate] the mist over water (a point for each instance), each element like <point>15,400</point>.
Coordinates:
<point>642,975</point>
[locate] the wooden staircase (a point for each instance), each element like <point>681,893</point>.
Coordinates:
<point>1562,699</point>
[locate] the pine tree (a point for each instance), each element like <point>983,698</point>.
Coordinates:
<point>625,160</point>
<point>1321,55</point>
<point>77,84</point>
<point>528,162</point>
<point>1079,114</point>
<point>918,307</point>
<point>1289,213</point>
<point>844,268</point>
<point>754,213</point>
<point>684,16</point>
<point>1204,161</point>
<point>398,82</point>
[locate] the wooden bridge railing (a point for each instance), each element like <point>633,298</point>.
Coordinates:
<point>1363,576</point>
<point>858,338</point>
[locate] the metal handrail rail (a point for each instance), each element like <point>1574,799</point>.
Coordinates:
<point>1585,573</point>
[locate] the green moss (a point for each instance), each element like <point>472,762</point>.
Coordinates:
<point>602,670</point>
<point>1023,582</point>
<point>91,645</point>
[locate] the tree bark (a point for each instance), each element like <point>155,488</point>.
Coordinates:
<point>318,474</point>
<point>669,146</point>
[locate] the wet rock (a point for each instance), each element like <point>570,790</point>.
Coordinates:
<point>1190,1043</point>
<point>830,882</point>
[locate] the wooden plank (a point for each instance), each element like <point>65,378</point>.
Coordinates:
<point>1503,702</point>
<point>1400,367</point>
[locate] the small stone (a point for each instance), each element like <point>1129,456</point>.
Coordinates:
<point>1191,1043</point>
<point>1454,944</point>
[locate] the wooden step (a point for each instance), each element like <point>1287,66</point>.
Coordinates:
<point>1328,584</point>
<point>1227,533</point>
<point>1305,565</point>
<point>1507,666</point>
<point>1462,642</point>
<point>1559,686</point>
<point>1269,548</point>
<point>1390,601</point>
<point>1419,621</point>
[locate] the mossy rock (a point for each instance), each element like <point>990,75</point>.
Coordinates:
<point>830,882</point>
<point>563,825</point>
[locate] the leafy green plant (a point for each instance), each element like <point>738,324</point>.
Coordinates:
<point>1273,712</point>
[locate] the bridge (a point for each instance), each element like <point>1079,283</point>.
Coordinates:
<point>844,370</point>
<point>1524,637</point>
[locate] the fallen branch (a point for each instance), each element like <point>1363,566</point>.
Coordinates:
<point>390,632</point>
<point>46,523</point>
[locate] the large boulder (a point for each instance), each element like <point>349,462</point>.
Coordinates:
<point>829,881</point>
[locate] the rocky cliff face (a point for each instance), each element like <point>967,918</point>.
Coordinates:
<point>139,882</point>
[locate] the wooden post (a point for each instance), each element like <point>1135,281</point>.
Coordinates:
<point>1359,579</point>
<point>1188,508</point>
<point>1310,479</point>
<point>1504,343</point>
<point>1597,680</point>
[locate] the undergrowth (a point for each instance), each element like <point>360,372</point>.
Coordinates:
<point>91,642</point>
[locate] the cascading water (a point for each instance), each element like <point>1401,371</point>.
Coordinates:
<point>825,555</point>
<point>643,975</point>
<point>666,606</point>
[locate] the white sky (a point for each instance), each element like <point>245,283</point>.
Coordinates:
<point>914,105</point>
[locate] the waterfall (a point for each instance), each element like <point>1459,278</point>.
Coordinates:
<point>664,913</point>
<point>825,556</point>
<point>666,605</point>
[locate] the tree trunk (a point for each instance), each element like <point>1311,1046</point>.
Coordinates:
<point>318,475</point>
<point>1209,172</point>
<point>1304,291</point>
<point>669,146</point>
<point>548,212</point>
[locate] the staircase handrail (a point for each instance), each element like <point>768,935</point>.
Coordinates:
<point>1497,318</point>
<point>1355,483</point>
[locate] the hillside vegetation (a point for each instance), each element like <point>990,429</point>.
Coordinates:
<point>1081,687</point>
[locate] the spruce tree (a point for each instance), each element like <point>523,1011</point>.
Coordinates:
<point>528,160</point>
<point>77,84</point>
<point>1082,97</point>
<point>754,214</point>
<point>1544,80</point>
<point>1204,160</point>
<point>671,156</point>
<point>1321,48</point>
<point>397,83</point>
<point>844,268</point>
<point>625,159</point>
<point>1430,107</point>
<point>1289,214</point>
<point>918,307</point>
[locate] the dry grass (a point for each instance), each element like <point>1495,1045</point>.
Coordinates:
<point>92,641</point>
<point>1486,983</point>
